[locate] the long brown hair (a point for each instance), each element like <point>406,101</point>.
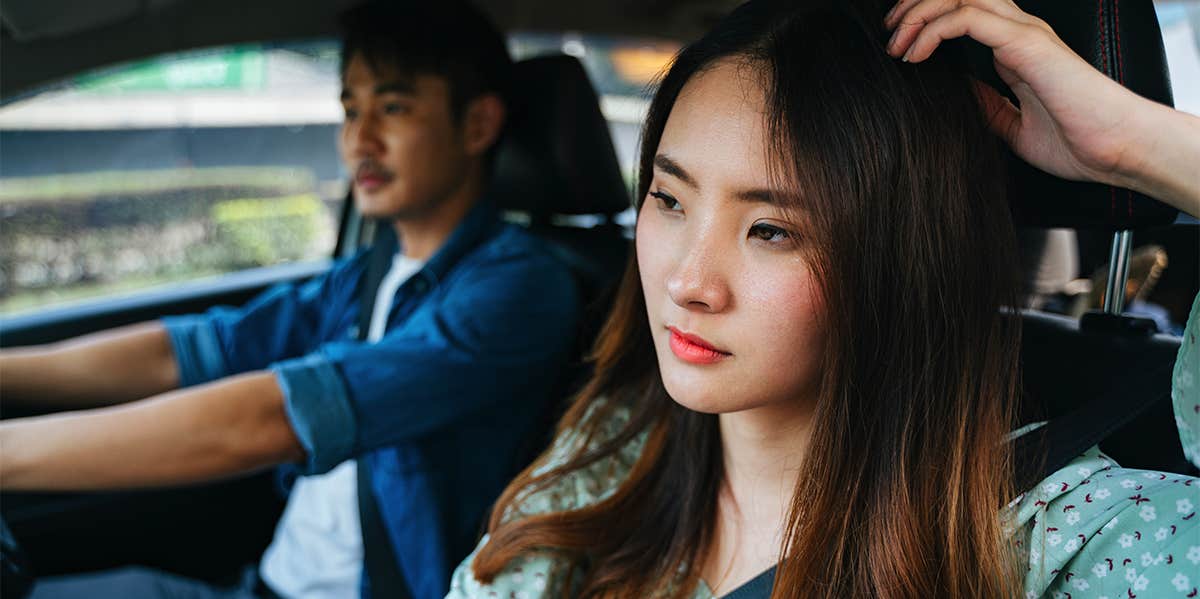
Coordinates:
<point>907,470</point>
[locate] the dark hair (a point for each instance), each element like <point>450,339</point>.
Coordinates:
<point>447,38</point>
<point>906,471</point>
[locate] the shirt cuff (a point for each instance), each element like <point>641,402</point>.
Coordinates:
<point>197,349</point>
<point>318,407</point>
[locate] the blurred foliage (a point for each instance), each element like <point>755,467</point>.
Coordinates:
<point>77,236</point>
<point>258,232</point>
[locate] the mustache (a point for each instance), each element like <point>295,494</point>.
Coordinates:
<point>368,167</point>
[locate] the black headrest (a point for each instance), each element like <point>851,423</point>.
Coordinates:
<point>1122,39</point>
<point>557,156</point>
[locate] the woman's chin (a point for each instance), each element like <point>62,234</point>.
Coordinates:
<point>706,399</point>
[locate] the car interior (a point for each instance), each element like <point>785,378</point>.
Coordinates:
<point>1101,378</point>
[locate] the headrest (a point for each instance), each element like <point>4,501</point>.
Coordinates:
<point>557,156</point>
<point>1122,39</point>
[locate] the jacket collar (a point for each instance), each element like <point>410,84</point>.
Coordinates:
<point>470,232</point>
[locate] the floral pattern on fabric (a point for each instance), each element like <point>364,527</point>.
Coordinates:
<point>1095,530</point>
<point>1091,530</point>
<point>1185,387</point>
<point>542,574</point>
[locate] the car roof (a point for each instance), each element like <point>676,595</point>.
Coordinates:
<point>44,40</point>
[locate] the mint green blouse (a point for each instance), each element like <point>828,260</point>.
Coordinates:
<point>1090,530</point>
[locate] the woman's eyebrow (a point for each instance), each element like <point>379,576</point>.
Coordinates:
<point>670,167</point>
<point>766,196</point>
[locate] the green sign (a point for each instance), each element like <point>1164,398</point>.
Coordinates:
<point>241,68</point>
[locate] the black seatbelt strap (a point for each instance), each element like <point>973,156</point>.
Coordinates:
<point>1043,451</point>
<point>379,557</point>
<point>378,264</point>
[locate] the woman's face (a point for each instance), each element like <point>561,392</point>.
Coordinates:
<point>732,301</point>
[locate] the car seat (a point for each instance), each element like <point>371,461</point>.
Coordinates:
<point>1104,378</point>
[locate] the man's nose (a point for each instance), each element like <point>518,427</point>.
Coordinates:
<point>698,281</point>
<point>362,137</point>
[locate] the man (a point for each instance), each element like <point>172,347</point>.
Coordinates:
<point>470,323</point>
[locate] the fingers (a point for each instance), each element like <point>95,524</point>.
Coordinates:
<point>991,22</point>
<point>923,11</point>
<point>985,27</point>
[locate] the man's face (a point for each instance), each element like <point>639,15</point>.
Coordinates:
<point>399,141</point>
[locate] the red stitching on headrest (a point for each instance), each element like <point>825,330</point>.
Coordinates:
<point>1120,56</point>
<point>1121,80</point>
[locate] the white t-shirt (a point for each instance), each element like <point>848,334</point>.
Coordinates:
<point>317,551</point>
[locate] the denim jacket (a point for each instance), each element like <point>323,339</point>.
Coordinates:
<point>443,406</point>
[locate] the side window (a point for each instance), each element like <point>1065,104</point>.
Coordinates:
<point>166,170</point>
<point>1180,22</point>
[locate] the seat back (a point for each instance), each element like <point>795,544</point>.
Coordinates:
<point>557,168</point>
<point>1094,387</point>
<point>557,172</point>
<point>1105,379</point>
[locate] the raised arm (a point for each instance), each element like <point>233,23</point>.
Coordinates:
<point>212,431</point>
<point>1072,121</point>
<point>96,370</point>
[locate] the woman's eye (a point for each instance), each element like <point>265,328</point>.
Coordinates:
<point>351,114</point>
<point>769,233</point>
<point>665,201</point>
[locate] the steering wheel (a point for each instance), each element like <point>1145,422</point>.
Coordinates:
<point>16,575</point>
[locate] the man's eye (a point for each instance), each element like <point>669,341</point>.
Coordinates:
<point>394,108</point>
<point>769,233</point>
<point>665,201</point>
<point>351,114</point>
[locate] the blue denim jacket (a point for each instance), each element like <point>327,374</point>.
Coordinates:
<point>444,405</point>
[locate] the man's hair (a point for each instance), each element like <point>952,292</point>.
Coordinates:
<point>447,38</point>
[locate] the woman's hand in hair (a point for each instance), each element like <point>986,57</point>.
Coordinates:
<point>1073,121</point>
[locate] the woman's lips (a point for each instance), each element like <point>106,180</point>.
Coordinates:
<point>693,349</point>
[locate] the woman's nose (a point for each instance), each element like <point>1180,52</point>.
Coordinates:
<point>698,281</point>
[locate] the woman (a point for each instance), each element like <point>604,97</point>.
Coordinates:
<point>808,371</point>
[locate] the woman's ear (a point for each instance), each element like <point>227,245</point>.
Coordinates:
<point>482,123</point>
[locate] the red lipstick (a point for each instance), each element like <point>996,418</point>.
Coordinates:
<point>693,349</point>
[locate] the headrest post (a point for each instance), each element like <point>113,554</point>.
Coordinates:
<point>1118,272</point>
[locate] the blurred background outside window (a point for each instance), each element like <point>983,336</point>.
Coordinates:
<point>203,163</point>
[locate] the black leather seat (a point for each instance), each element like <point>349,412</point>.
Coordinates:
<point>556,162</point>
<point>557,171</point>
<point>1104,379</point>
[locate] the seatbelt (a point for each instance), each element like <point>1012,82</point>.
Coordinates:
<point>379,557</point>
<point>1042,452</point>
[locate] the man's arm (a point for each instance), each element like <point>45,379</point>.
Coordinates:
<point>102,369</point>
<point>212,431</point>
<point>502,333</point>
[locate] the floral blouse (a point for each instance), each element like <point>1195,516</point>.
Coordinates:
<point>1090,530</point>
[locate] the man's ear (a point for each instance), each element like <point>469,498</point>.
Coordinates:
<point>482,123</point>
